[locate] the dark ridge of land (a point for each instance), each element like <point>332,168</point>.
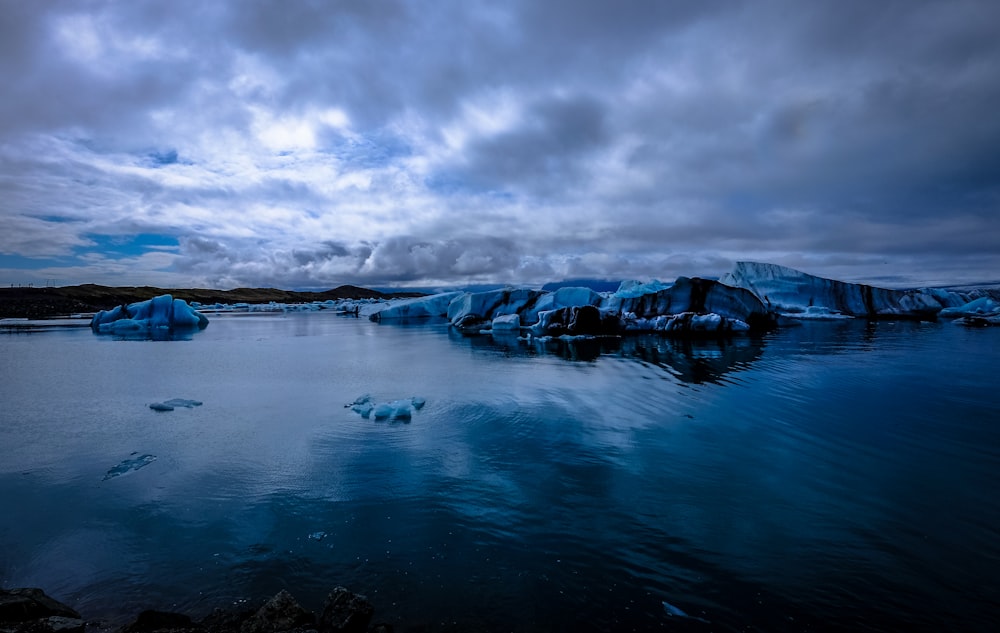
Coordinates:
<point>38,303</point>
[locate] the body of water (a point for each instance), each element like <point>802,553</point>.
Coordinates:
<point>829,476</point>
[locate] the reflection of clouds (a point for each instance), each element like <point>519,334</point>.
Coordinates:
<point>688,360</point>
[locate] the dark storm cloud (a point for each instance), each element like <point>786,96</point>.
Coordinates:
<point>317,143</point>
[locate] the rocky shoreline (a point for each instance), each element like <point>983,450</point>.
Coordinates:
<point>30,610</point>
<point>39,303</point>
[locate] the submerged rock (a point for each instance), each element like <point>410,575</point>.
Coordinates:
<point>346,612</point>
<point>22,605</point>
<point>152,620</point>
<point>170,405</point>
<point>280,613</point>
<point>31,611</point>
<point>129,465</point>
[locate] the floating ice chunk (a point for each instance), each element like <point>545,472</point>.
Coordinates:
<point>677,612</point>
<point>317,536</point>
<point>394,410</point>
<point>982,306</point>
<point>130,465</point>
<point>162,312</point>
<point>170,405</point>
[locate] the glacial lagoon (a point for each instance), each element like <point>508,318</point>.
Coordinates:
<point>833,475</point>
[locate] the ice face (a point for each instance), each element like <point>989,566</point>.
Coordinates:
<point>983,306</point>
<point>493,303</point>
<point>699,296</point>
<point>159,313</point>
<point>792,292</point>
<point>418,308</point>
<point>507,323</point>
<point>569,297</point>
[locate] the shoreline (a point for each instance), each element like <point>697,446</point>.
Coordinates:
<point>43,303</point>
<point>31,610</point>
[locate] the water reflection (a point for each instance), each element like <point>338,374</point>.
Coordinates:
<point>693,361</point>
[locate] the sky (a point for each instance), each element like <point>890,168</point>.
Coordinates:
<point>310,144</point>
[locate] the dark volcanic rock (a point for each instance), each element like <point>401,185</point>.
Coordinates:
<point>20,605</point>
<point>280,613</point>
<point>346,612</point>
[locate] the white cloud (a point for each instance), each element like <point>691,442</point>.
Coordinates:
<point>532,141</point>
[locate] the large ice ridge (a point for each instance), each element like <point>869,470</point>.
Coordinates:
<point>797,294</point>
<point>752,297</point>
<point>688,306</point>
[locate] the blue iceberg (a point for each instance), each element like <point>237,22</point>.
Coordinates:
<point>163,313</point>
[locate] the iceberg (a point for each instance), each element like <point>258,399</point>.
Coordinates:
<point>981,307</point>
<point>792,293</point>
<point>485,306</point>
<point>417,308</point>
<point>159,313</point>
<point>737,307</point>
<point>401,410</point>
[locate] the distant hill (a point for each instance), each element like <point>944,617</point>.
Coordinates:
<point>35,303</point>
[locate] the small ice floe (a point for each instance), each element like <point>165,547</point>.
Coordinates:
<point>129,465</point>
<point>401,410</point>
<point>677,612</point>
<point>317,536</point>
<point>173,403</point>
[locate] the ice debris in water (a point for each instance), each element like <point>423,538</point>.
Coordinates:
<point>128,465</point>
<point>392,410</point>
<point>173,403</point>
<point>679,613</point>
<point>317,536</point>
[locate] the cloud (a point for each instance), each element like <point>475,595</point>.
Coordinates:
<point>313,144</point>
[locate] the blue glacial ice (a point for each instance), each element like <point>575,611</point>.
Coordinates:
<point>752,297</point>
<point>159,313</point>
<point>401,410</point>
<point>797,294</point>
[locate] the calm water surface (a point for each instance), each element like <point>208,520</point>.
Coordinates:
<point>827,476</point>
